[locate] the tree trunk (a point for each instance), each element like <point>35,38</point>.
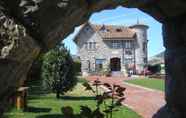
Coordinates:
<point>57,94</point>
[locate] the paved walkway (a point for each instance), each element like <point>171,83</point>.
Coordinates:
<point>146,102</point>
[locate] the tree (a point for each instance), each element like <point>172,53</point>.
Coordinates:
<point>77,66</point>
<point>58,71</point>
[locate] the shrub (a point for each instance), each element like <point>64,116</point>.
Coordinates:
<point>105,71</point>
<point>58,71</point>
<point>115,93</point>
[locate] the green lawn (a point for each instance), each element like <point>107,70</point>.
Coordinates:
<point>47,106</point>
<point>157,84</point>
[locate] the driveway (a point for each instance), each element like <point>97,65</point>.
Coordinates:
<point>146,102</point>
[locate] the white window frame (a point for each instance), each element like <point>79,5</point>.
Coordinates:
<point>94,45</point>
<point>116,44</point>
<point>128,44</point>
<point>86,45</point>
<point>90,45</point>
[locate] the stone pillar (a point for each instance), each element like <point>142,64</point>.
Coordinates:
<point>174,32</point>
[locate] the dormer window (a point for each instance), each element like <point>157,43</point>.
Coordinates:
<point>118,30</point>
<point>103,29</point>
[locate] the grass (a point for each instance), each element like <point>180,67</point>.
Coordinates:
<point>81,79</point>
<point>45,105</point>
<point>157,84</point>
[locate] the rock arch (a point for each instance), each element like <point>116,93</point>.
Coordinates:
<point>46,22</point>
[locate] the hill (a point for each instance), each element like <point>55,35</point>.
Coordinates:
<point>157,59</point>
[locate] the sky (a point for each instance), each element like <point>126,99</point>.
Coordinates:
<point>127,17</point>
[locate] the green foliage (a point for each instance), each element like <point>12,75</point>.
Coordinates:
<point>68,112</point>
<point>58,71</point>
<point>81,79</point>
<point>105,71</point>
<point>86,112</point>
<point>154,68</point>
<point>77,66</point>
<point>115,93</point>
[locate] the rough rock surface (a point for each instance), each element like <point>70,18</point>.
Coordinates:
<point>17,51</point>
<point>44,23</point>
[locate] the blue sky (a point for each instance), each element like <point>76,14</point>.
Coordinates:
<point>125,16</point>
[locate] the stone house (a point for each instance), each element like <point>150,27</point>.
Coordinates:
<point>117,48</point>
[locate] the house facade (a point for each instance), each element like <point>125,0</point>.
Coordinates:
<point>117,48</point>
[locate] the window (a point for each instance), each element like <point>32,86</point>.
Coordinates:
<point>88,64</point>
<point>116,44</point>
<point>144,47</point>
<point>128,61</point>
<point>87,29</point>
<point>119,30</point>
<point>103,29</point>
<point>145,60</point>
<point>86,45</point>
<point>128,44</point>
<point>90,45</point>
<point>128,52</point>
<point>144,35</point>
<point>99,64</point>
<point>94,45</point>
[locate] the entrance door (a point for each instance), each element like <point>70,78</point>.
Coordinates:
<point>99,64</point>
<point>115,64</point>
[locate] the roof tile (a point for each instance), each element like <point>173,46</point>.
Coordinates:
<point>108,32</point>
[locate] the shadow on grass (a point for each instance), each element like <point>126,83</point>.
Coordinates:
<point>37,110</point>
<point>36,90</point>
<point>30,97</point>
<point>56,116</point>
<point>78,97</point>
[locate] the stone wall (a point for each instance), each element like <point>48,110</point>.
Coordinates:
<point>141,52</point>
<point>103,50</point>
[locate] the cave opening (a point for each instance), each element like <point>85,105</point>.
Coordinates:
<point>46,25</point>
<point>122,17</point>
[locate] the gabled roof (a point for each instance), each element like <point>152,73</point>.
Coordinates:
<point>111,32</point>
<point>80,30</point>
